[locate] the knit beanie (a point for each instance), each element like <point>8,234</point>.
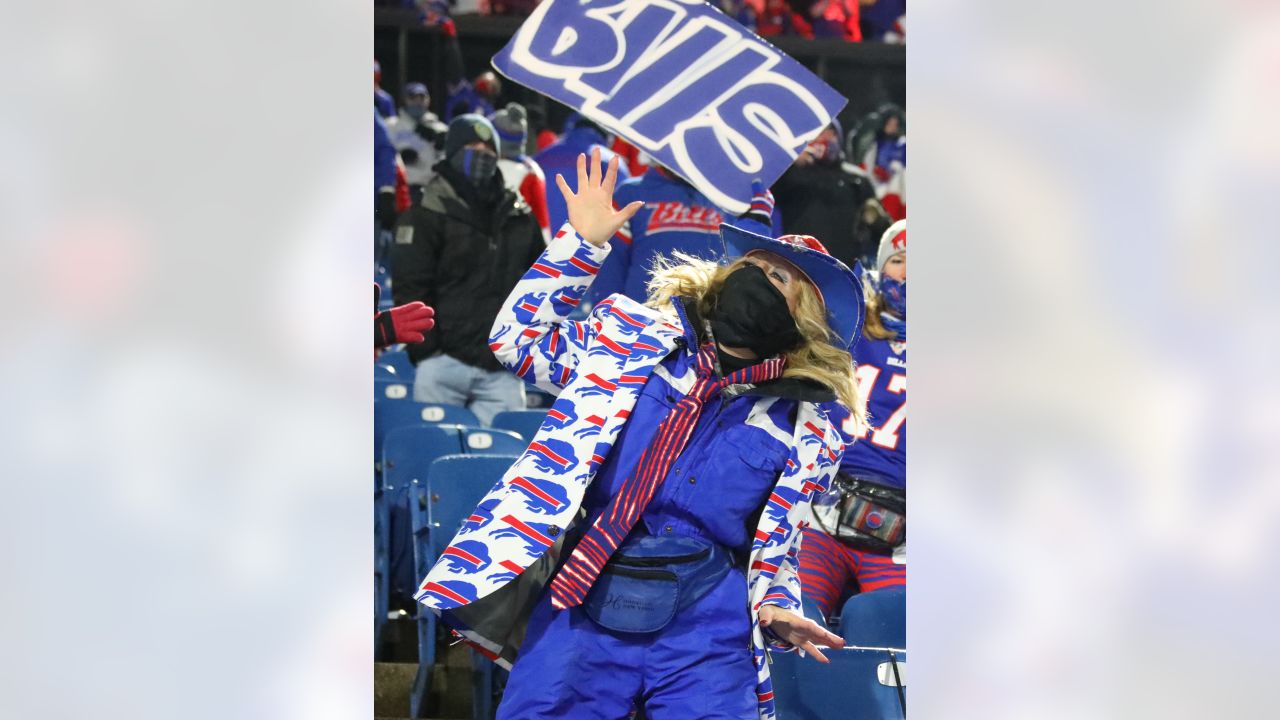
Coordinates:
<point>512,125</point>
<point>892,242</point>
<point>469,128</point>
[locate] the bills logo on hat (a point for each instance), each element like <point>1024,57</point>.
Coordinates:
<point>892,242</point>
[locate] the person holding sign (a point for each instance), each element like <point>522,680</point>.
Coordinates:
<point>643,551</point>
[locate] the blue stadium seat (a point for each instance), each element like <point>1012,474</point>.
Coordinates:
<point>455,485</point>
<point>426,624</point>
<point>387,373</point>
<point>523,422</point>
<point>492,441</point>
<point>397,361</point>
<point>382,276</point>
<point>388,389</point>
<point>858,684</point>
<point>381,581</point>
<point>877,618</point>
<point>394,412</point>
<point>407,455</point>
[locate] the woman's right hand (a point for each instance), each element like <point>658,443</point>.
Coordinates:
<point>590,209</point>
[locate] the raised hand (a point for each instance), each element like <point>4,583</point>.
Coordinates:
<point>799,631</point>
<point>590,209</point>
<point>761,204</point>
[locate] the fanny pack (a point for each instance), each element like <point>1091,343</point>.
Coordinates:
<point>864,514</point>
<point>649,579</point>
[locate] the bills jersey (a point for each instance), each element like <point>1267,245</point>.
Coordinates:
<point>675,217</point>
<point>879,452</point>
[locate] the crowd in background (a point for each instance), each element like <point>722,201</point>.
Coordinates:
<point>849,20</point>
<point>467,200</point>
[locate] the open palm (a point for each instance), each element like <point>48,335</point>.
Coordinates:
<point>591,210</point>
<point>799,631</point>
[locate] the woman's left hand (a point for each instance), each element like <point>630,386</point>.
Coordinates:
<point>590,209</point>
<point>799,631</point>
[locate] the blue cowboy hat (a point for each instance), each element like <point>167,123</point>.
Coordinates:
<point>837,286</point>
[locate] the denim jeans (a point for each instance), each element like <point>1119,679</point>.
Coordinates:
<point>442,379</point>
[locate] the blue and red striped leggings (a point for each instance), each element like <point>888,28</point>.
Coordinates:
<point>831,571</point>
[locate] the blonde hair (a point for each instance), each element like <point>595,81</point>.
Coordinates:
<point>872,327</point>
<point>819,359</point>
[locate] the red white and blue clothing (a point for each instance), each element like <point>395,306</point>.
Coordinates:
<point>604,369</point>
<point>831,571</point>
<point>697,666</point>
<point>675,217</point>
<point>881,450</point>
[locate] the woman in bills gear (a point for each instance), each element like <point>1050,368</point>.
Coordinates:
<point>858,540</point>
<point>642,553</point>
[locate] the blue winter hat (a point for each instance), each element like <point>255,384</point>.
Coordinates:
<point>837,286</point>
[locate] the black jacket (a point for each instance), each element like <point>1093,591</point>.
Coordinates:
<point>824,201</point>
<point>462,261</point>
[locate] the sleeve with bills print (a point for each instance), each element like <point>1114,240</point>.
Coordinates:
<point>792,506</point>
<point>532,336</point>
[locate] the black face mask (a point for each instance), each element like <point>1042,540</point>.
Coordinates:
<point>751,313</point>
<point>477,166</point>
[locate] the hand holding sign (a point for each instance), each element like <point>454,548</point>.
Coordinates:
<point>590,209</point>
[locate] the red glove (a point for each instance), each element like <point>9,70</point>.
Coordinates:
<point>402,324</point>
<point>450,30</point>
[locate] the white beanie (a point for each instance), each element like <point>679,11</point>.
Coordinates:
<point>892,242</point>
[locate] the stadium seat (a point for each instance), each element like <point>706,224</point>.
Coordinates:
<point>381,581</point>
<point>455,485</point>
<point>525,423</point>
<point>397,361</point>
<point>858,684</point>
<point>877,619</point>
<point>394,412</point>
<point>407,454</point>
<point>382,277</point>
<point>426,624</point>
<point>396,389</point>
<point>491,441</point>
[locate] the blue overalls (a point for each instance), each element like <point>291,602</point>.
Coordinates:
<point>699,665</point>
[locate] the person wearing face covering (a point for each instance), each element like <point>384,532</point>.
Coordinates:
<point>857,542</point>
<point>823,196</point>
<point>418,136</point>
<point>461,251</point>
<point>641,555</point>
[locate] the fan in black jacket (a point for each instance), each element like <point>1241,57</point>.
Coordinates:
<point>822,196</point>
<point>461,251</point>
